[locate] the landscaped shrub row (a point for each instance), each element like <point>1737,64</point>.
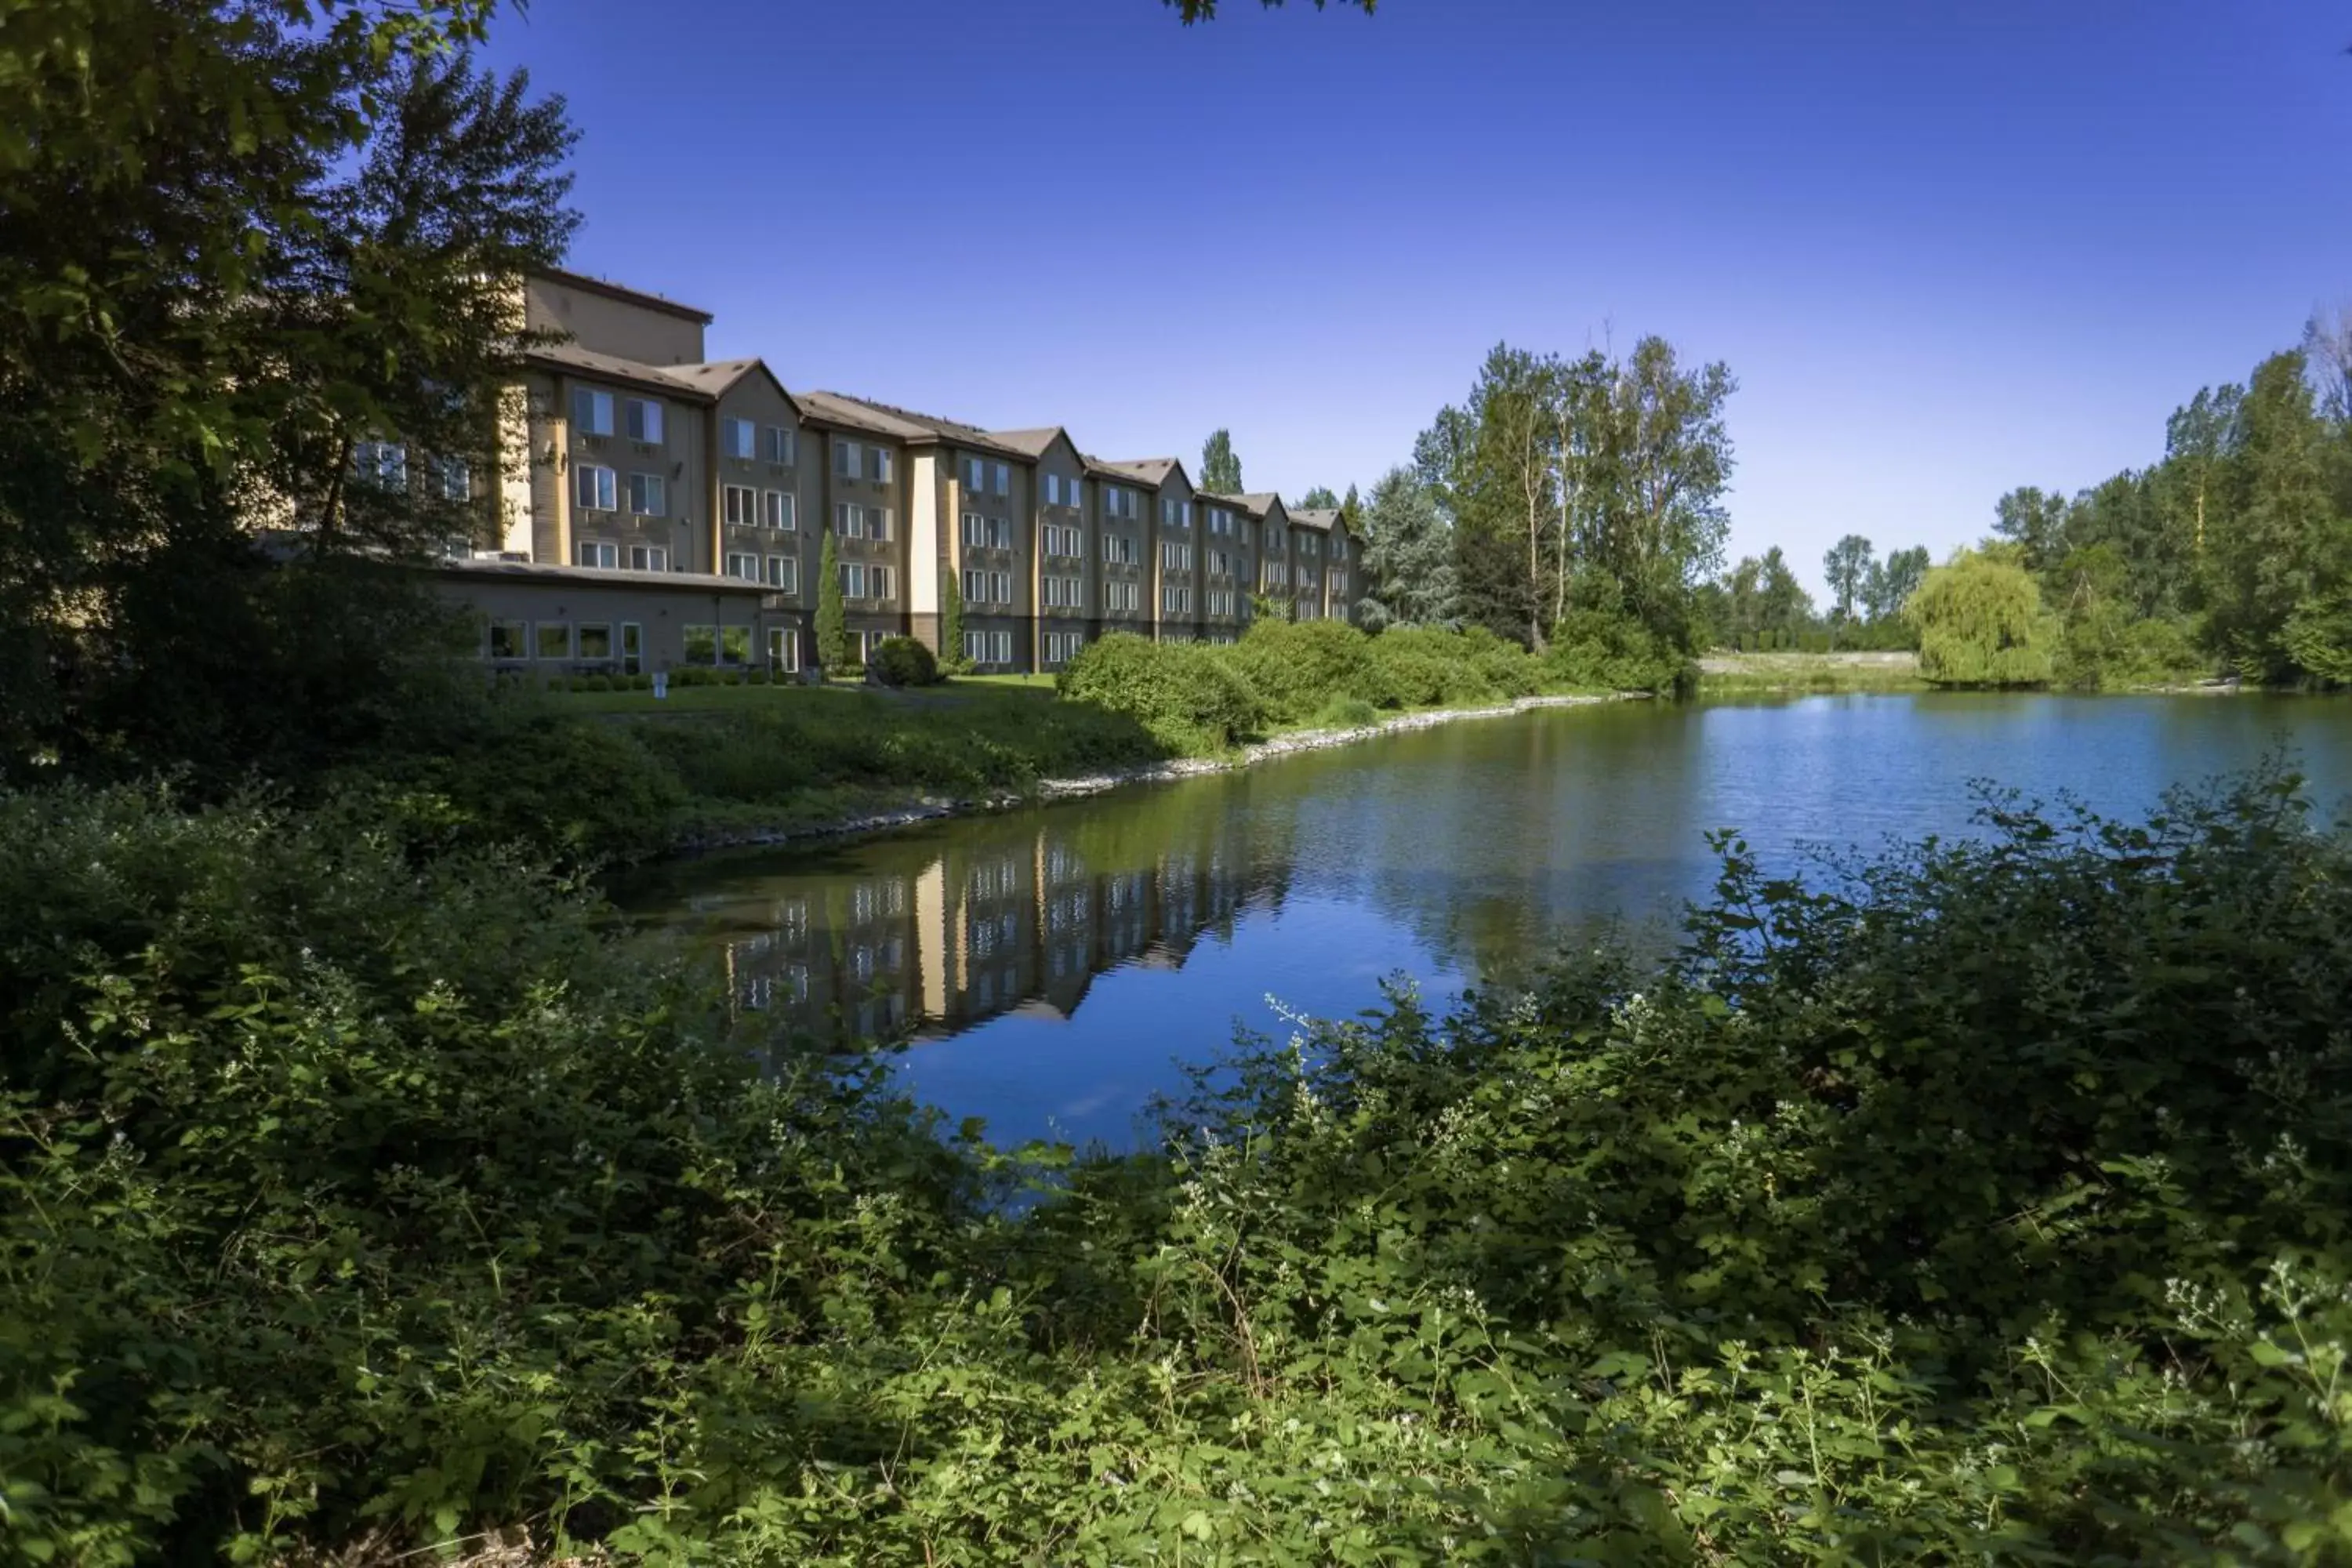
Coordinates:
<point>1204,697</point>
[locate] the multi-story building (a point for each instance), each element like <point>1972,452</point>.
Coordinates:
<point>659,509</point>
<point>1323,571</point>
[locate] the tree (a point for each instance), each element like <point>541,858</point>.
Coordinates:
<point>1220,470</point>
<point>1981,623</point>
<point>831,621</point>
<point>2288,543</point>
<point>2035,519</point>
<point>1845,567</point>
<point>1206,10</point>
<point>1892,581</point>
<point>1320,499</point>
<point>1783,607</point>
<point>1410,578</point>
<point>234,243</point>
<point>952,654</point>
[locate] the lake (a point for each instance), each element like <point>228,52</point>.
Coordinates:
<point>1052,964</point>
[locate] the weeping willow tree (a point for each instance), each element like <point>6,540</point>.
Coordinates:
<point>1981,623</point>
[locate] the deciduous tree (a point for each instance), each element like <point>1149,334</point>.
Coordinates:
<point>1221,469</point>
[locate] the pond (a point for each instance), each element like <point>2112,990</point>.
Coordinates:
<point>1052,965</point>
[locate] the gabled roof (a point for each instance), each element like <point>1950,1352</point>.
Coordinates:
<point>718,377</point>
<point>1320,519</point>
<point>1033,444</point>
<point>1151,471</point>
<point>1256,503</point>
<point>832,408</point>
<point>638,297</point>
<point>912,427</point>
<point>573,360</point>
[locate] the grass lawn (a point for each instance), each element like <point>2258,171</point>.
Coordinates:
<point>1762,674</point>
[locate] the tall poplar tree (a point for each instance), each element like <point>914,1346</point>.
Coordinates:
<point>1221,469</point>
<point>832,619</point>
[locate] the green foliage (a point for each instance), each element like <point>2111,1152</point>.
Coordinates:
<point>1221,469</point>
<point>1981,623</point>
<point>951,654</point>
<point>1186,698</point>
<point>1410,575</point>
<point>2101,644</point>
<point>903,661</point>
<point>833,648</point>
<point>1984,1202</point>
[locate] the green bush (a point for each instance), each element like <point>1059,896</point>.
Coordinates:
<point>1613,652</point>
<point>1296,667</point>
<point>1186,697</point>
<point>1346,713</point>
<point>903,661</point>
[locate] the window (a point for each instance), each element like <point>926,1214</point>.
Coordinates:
<point>1339,548</point>
<point>1309,545</point>
<point>973,473</point>
<point>1122,595</point>
<point>1000,587</point>
<point>1003,479</point>
<point>782,445</point>
<point>632,647</point>
<point>1118,502</point>
<point>1219,520</point>
<point>510,639</point>
<point>780,509</point>
<point>878,465</point>
<point>988,647</point>
<point>986,532</point>
<point>596,640</point>
<point>1339,583</point>
<point>783,649</point>
<point>736,438</point>
<point>382,464</point>
<point>854,580</point>
<point>1176,557</point>
<point>596,553</point>
<point>648,495</point>
<point>785,573</point>
<point>591,411</point>
<point>740,563</point>
<point>1063,542</point>
<point>1220,563</point>
<point>1060,491</point>
<point>855,521</point>
<point>551,640</point>
<point>743,506</point>
<point>845,459</point>
<point>1176,599</point>
<point>1117,550</point>
<point>645,420</point>
<point>1062,593</point>
<point>702,645</point>
<point>1276,575</point>
<point>1221,601</point>
<point>591,488</point>
<point>453,480</point>
<point>975,585</point>
<point>734,645</point>
<point>649,558</point>
<point>1063,647</point>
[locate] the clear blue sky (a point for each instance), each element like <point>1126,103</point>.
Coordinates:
<point>1948,247</point>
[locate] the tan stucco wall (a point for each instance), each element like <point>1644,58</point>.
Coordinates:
<point>755,398</point>
<point>611,326</point>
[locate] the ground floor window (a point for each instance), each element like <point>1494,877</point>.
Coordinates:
<point>734,645</point>
<point>551,640</point>
<point>702,645</point>
<point>632,647</point>
<point>595,641</point>
<point>510,639</point>
<point>1063,647</point>
<point>784,649</point>
<point>988,647</point>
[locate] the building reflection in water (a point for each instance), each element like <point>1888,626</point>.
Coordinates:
<point>925,940</point>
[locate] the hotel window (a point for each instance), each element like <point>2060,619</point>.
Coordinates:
<point>853,579</point>
<point>1176,599</point>
<point>551,640</point>
<point>648,495</point>
<point>1120,595</point>
<point>877,523</point>
<point>736,437</point>
<point>781,511</point>
<point>596,640</point>
<point>644,421</point>
<point>845,459</point>
<point>1064,542</point>
<point>1219,520</point>
<point>1000,587</point>
<point>734,645</point>
<point>878,465</point>
<point>592,412</point>
<point>742,504</point>
<point>510,639</point>
<point>783,649</point>
<point>596,553</point>
<point>1176,557</point>
<point>988,647</point>
<point>783,446</point>
<point>1003,479</point>
<point>701,645</point>
<point>649,558</point>
<point>1339,548</point>
<point>743,566</point>
<point>785,573</point>
<point>453,479</point>
<point>973,473</point>
<point>1220,563</point>
<point>1119,550</point>
<point>1117,502</point>
<point>1309,545</point>
<point>878,579</point>
<point>1063,647</point>
<point>1063,593</point>
<point>382,464</point>
<point>591,488</point>
<point>975,586</point>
